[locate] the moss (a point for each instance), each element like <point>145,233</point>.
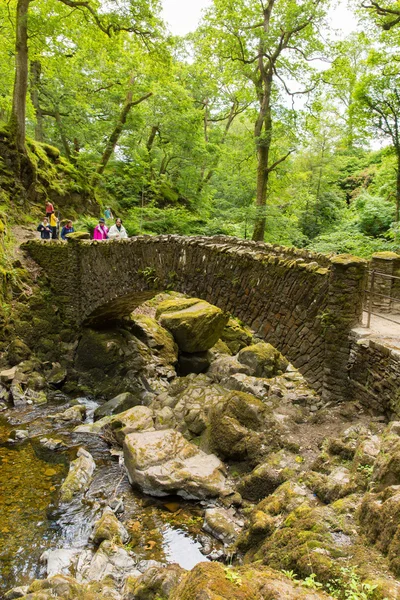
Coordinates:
<point>386,255</point>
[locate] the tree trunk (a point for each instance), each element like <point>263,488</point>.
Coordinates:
<point>18,112</point>
<point>36,70</point>
<point>397,217</point>
<point>263,133</point>
<point>114,137</point>
<point>63,137</point>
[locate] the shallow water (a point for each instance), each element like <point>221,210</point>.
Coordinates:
<point>31,520</point>
<point>28,491</point>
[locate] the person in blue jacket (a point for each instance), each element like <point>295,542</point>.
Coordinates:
<point>68,228</point>
<point>45,229</point>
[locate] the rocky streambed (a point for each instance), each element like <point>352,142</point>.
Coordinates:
<point>174,455</point>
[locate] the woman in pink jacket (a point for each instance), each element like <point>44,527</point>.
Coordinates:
<point>100,231</point>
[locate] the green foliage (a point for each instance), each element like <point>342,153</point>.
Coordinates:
<point>232,576</point>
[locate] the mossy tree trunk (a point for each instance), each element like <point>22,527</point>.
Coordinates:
<point>18,112</point>
<point>36,71</point>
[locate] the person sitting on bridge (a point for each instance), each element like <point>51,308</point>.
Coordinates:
<point>45,229</point>
<point>100,231</point>
<point>68,228</point>
<point>117,231</point>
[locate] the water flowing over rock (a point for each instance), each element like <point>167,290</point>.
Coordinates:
<point>163,463</point>
<point>79,476</point>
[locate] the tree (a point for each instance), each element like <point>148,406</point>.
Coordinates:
<point>387,12</point>
<point>137,20</point>
<point>271,43</point>
<point>378,95</point>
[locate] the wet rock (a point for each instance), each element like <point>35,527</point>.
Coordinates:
<point>59,562</point>
<point>163,463</point>
<point>117,405</point>
<point>79,476</point>
<point>73,414</point>
<point>195,324</point>
<point>21,434</point>
<point>221,524</point>
<point>236,336</point>
<point>52,444</point>
<point>17,352</point>
<point>158,339</point>
<point>263,360</point>
<point>17,395</point>
<point>109,528</point>
<point>156,582</point>
<point>110,560</point>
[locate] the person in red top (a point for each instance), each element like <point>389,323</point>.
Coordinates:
<point>49,209</point>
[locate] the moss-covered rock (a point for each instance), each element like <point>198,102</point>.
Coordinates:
<point>195,324</point>
<point>77,235</point>
<point>155,583</point>
<point>236,336</point>
<point>117,405</point>
<point>263,359</point>
<point>268,476</point>
<point>79,476</point>
<point>138,418</point>
<point>158,339</point>
<point>17,352</point>
<point>109,528</point>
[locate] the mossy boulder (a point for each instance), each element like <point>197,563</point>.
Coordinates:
<point>268,476</point>
<point>109,528</point>
<point>379,517</point>
<point>213,581</point>
<point>17,352</point>
<point>79,476</point>
<point>154,584</point>
<point>138,418</point>
<point>235,426</point>
<point>195,324</point>
<point>158,339</point>
<point>236,336</point>
<point>263,360</point>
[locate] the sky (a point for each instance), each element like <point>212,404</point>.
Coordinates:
<point>184,15</point>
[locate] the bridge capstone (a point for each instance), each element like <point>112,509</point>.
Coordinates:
<point>303,303</point>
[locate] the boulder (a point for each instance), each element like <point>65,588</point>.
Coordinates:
<point>161,463</point>
<point>257,386</point>
<point>7,375</point>
<point>156,582</point>
<point>268,476</point>
<point>196,325</point>
<point>236,336</point>
<point>138,418</point>
<point>109,528</point>
<point>57,376</point>
<point>79,476</point>
<point>158,339</point>
<point>263,360</point>
<point>235,425</point>
<point>117,405</point>
<point>213,581</point>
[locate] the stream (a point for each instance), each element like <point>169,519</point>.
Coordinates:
<point>32,520</point>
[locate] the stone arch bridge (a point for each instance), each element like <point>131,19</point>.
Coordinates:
<point>303,303</point>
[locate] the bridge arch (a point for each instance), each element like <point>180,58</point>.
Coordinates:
<point>303,303</point>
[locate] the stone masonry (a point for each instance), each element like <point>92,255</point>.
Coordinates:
<point>303,303</point>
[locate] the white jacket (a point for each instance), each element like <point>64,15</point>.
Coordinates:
<point>114,234</point>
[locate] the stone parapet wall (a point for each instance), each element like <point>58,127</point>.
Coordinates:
<point>303,303</point>
<point>374,371</point>
<point>386,288</point>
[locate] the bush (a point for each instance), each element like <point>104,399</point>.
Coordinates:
<point>375,215</point>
